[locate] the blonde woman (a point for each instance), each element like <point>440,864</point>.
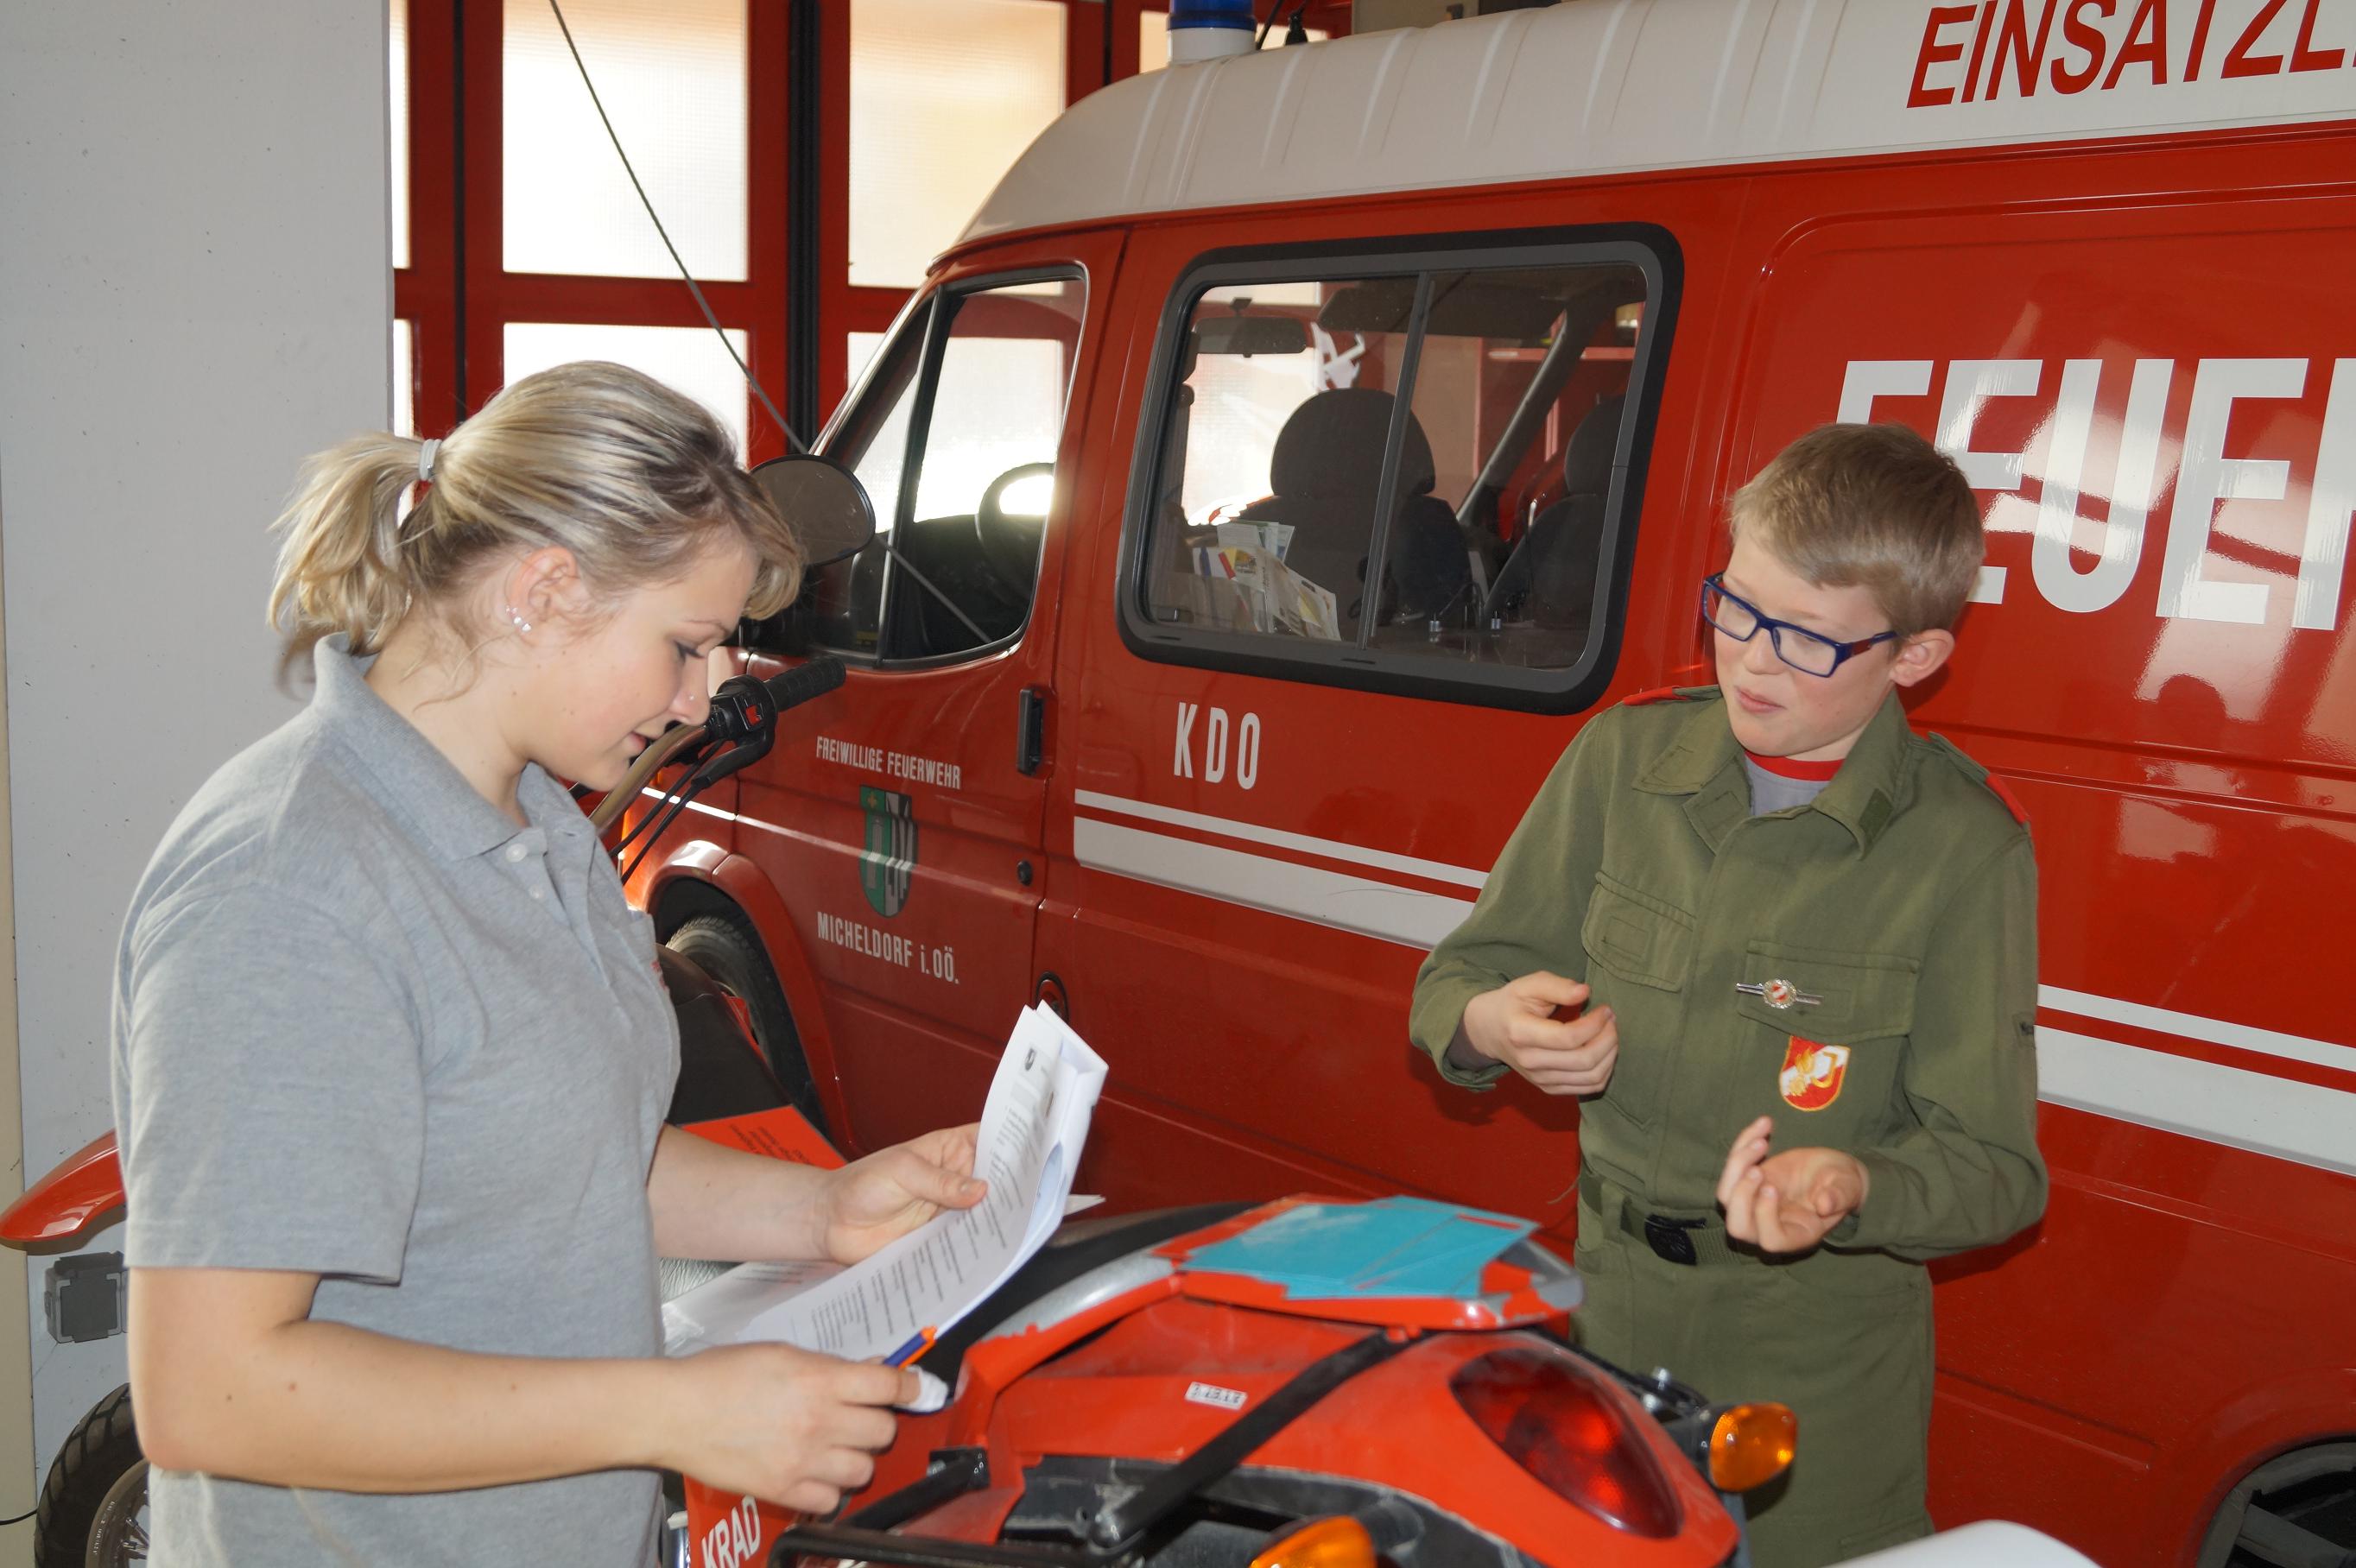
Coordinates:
<point>391,1055</point>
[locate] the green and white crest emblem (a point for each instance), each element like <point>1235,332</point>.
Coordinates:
<point>889,860</point>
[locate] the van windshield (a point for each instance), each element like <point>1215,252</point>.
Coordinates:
<point>1413,462</point>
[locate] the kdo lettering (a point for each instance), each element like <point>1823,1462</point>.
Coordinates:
<point>1223,743</point>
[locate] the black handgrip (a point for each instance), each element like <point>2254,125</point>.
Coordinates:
<point>812,678</point>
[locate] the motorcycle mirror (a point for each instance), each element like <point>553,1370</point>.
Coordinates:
<point>824,502</point>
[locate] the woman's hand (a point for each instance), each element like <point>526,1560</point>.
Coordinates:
<point>797,1429</point>
<point>1786,1204</point>
<point>891,1192</point>
<point>1516,1024</point>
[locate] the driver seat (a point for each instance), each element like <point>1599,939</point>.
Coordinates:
<point>1550,577</point>
<point>1323,474</point>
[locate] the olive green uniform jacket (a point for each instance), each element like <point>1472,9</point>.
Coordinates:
<point>1889,928</point>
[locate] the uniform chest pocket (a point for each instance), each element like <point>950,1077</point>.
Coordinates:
<point>1637,936</point>
<point>1832,997</point>
<point>1640,949</point>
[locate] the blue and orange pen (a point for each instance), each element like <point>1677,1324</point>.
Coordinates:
<point>918,1343</point>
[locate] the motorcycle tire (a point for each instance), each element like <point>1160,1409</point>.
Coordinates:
<point>93,1505</point>
<point>732,955</point>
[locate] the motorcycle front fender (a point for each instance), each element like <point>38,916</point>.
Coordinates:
<point>70,1200</point>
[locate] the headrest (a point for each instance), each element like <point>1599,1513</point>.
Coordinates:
<point>1587,461</point>
<point>1331,448</point>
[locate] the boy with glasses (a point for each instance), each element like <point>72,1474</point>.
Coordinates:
<point>1802,940</point>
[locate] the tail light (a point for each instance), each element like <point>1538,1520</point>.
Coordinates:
<point>1554,1419</point>
<point>1750,1446</point>
<point>1337,1542</point>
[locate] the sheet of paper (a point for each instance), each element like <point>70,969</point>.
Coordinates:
<point>782,1133</point>
<point>1033,1127</point>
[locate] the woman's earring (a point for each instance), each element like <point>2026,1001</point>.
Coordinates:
<point>521,624</point>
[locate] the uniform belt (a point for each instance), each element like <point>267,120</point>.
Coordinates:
<point>1674,1238</point>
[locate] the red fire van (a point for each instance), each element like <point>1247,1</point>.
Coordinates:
<point>1296,449</point>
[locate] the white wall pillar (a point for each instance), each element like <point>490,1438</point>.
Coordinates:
<point>195,292</point>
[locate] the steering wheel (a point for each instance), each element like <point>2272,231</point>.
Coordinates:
<point>1010,542</point>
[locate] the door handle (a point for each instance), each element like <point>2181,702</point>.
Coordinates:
<point>1051,991</point>
<point>1030,729</point>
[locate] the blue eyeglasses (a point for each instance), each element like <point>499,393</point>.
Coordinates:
<point>1810,653</point>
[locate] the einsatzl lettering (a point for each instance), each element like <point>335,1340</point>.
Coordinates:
<point>1985,49</point>
<point>2082,564</point>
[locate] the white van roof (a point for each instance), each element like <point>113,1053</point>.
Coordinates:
<point>1594,86</point>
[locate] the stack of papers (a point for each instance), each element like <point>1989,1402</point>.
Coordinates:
<point>892,1304</point>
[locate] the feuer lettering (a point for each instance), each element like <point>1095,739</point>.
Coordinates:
<point>2081,564</point>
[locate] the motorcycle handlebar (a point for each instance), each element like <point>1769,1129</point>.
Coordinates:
<point>813,677</point>
<point>734,721</point>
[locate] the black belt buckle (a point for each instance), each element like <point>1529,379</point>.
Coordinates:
<point>1668,1237</point>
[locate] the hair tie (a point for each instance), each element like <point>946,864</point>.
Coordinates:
<point>425,454</point>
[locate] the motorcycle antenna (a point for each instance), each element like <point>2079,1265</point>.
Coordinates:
<point>792,441</point>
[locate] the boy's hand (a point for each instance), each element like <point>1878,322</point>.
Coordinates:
<point>1787,1203</point>
<point>1516,1025</point>
<point>893,1190</point>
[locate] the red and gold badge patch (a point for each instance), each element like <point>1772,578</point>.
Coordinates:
<point>1812,1075</point>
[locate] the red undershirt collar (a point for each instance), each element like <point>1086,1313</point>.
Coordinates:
<point>1792,768</point>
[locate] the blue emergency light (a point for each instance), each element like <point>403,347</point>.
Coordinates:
<point>1206,29</point>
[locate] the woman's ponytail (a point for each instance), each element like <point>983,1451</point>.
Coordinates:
<point>340,566</point>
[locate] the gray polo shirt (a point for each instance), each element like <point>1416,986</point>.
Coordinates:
<point>367,1028</point>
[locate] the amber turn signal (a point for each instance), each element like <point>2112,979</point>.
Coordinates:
<point>1337,1542</point>
<point>1752,1444</point>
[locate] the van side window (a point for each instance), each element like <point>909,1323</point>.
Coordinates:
<point>1416,471</point>
<point>955,437</point>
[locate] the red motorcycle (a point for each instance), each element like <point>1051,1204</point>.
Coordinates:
<point>1312,1383</point>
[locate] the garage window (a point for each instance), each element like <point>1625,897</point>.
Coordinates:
<point>1416,472</point>
<point>955,434</point>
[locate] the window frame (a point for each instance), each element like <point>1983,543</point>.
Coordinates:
<point>798,303</point>
<point>924,314</point>
<point>1647,247</point>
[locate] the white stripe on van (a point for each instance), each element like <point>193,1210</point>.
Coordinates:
<point>1306,904</point>
<point>1383,910</point>
<point>2280,1116</point>
<point>1332,848</point>
<point>2306,1123</point>
<point>2216,1031</point>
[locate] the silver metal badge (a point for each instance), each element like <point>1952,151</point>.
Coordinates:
<point>1781,994</point>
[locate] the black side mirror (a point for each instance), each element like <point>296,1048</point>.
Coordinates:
<point>824,503</point>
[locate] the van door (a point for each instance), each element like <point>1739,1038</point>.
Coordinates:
<point>900,821</point>
<point>1375,546</point>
